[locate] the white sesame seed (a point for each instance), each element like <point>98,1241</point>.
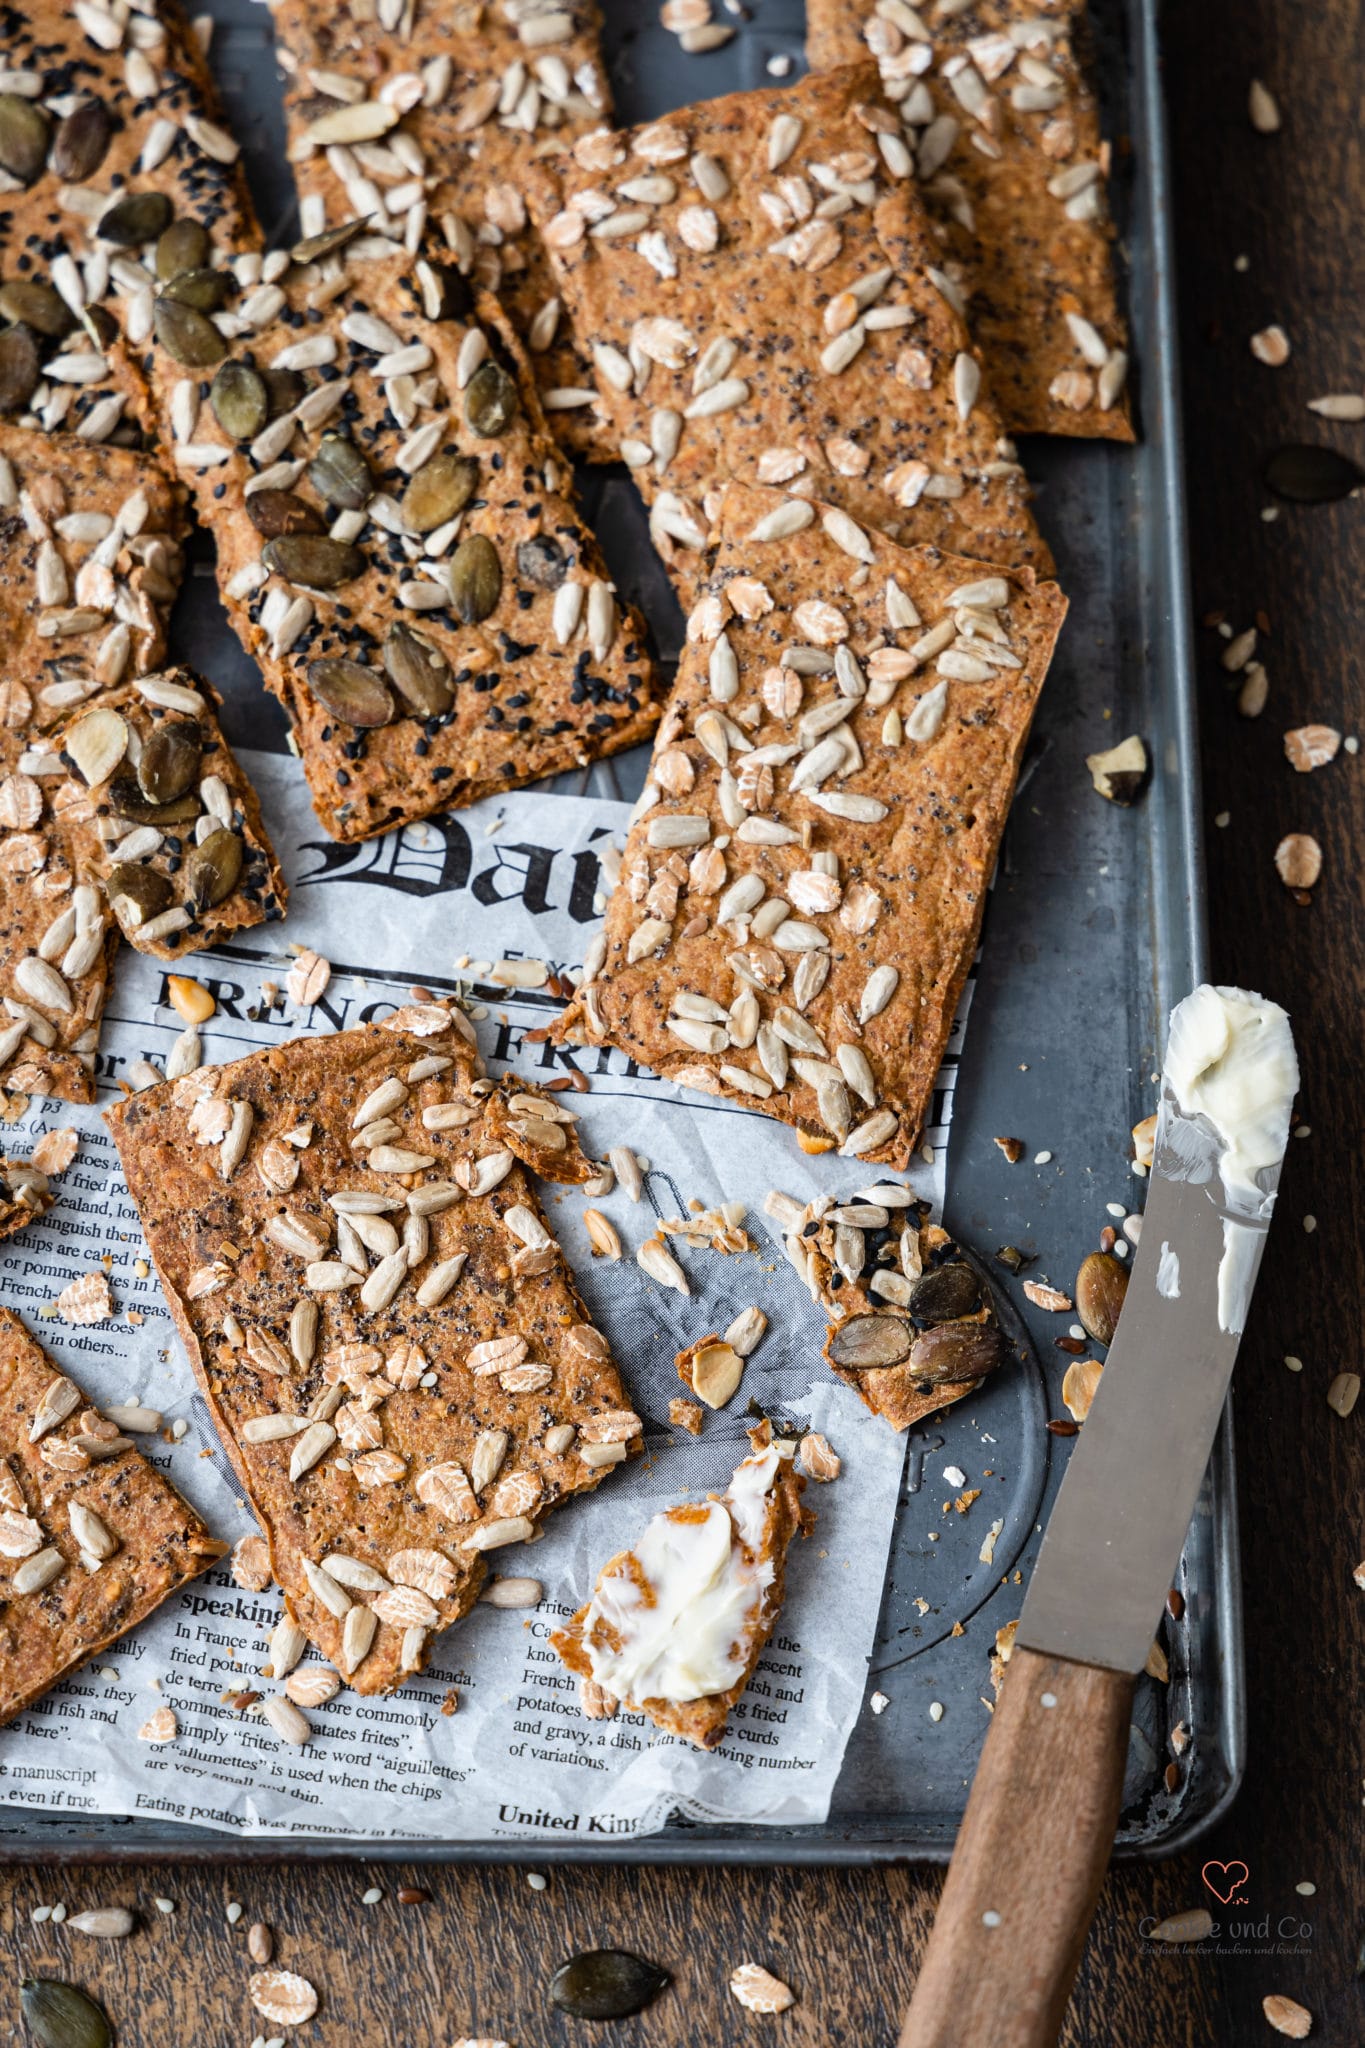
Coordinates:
<point>165,1905</point>
<point>935,1710</point>
<point>955,1475</point>
<point>536,1881</point>
<point>1116,1209</point>
<point>1306,1890</point>
<point>879,1702</point>
<point>1042,1158</point>
<point>234,1912</point>
<point>1048,1699</point>
<point>372,1896</point>
<point>990,1918</point>
<point>1310,1224</point>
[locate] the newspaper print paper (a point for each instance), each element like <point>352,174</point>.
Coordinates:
<point>512,879</point>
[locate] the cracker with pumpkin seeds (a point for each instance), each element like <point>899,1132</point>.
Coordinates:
<point>90,563</point>
<point>912,1322</point>
<point>677,1624</point>
<point>413,111</point>
<point>993,110</point>
<point>161,815</point>
<point>803,885</point>
<point>388,1335</point>
<point>57,941</point>
<point>398,544</point>
<point>761,295</point>
<point>118,170</point>
<point>92,1538</point>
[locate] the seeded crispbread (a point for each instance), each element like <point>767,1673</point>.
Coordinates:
<point>802,949</point>
<point>399,1405</point>
<point>123,134</point>
<point>1004,131</point>
<point>160,814</point>
<point>89,568</point>
<point>758,292</point>
<point>92,1538</point>
<point>759,1539</point>
<point>405,113</point>
<point>399,548</point>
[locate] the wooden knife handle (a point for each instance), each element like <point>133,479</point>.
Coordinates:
<point>1029,1861</point>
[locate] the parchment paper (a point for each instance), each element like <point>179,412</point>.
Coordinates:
<point>516,878</point>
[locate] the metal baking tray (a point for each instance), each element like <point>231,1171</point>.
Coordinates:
<point>1095,928</point>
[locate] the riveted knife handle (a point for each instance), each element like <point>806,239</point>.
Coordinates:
<point>1029,1861</point>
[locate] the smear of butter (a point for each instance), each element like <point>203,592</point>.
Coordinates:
<point>1168,1274</point>
<point>1230,1060</point>
<point>671,1619</point>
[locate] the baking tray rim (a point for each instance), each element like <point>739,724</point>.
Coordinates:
<point>826,1845</point>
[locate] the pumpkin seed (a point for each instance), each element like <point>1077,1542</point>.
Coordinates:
<point>19,369</point>
<point>952,1352</point>
<point>354,694</point>
<point>214,869</point>
<point>864,1343</point>
<point>81,142</point>
<point>418,671</point>
<point>438,490</point>
<point>340,474</point>
<point>1307,474</point>
<point>944,1294</point>
<point>314,559</point>
<point>1100,1287</point>
<point>284,388</point>
<point>170,760</point>
<point>240,400</point>
<point>60,2016</point>
<point>282,512</point>
<point>490,400</point>
<point>24,132</point>
<point>142,889</point>
<point>129,802</point>
<point>314,247</point>
<point>475,578</point>
<point>542,561</point>
<point>136,218</point>
<point>205,289</point>
<point>189,337</point>
<point>606,1984</point>
<point>184,245</point>
<point>37,305</point>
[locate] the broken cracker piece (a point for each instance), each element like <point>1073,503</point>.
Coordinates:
<point>92,1538</point>
<point>994,116</point>
<point>676,1626</point>
<point>757,290</point>
<point>802,890</point>
<point>160,813</point>
<point>388,1336</point>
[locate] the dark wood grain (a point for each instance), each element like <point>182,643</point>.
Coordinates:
<point>475,1959</point>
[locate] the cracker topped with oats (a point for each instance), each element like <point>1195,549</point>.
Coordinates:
<point>409,111</point>
<point>1002,130</point>
<point>92,1538</point>
<point>398,543</point>
<point>760,291</point>
<point>161,815</point>
<point>90,563</point>
<point>117,169</point>
<point>387,1333</point>
<point>676,1625</point>
<point>804,882</point>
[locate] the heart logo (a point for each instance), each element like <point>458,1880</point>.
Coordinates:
<point>1223,1879</point>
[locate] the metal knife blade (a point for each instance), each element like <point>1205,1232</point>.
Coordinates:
<point>1116,1531</point>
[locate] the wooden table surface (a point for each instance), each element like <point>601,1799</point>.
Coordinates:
<point>474,1958</point>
